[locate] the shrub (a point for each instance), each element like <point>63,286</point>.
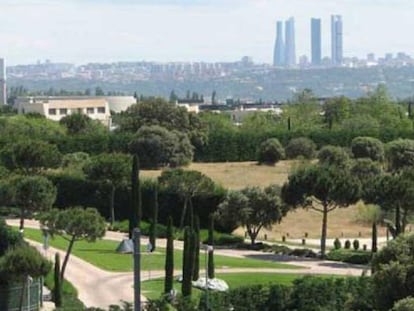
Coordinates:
<point>270,151</point>
<point>355,244</point>
<point>350,256</point>
<point>337,244</point>
<point>368,147</point>
<point>300,147</point>
<point>303,252</point>
<point>406,304</point>
<point>347,244</point>
<point>332,155</point>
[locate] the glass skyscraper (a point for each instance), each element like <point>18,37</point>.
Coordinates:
<point>336,40</point>
<point>290,46</point>
<point>279,50</point>
<point>316,43</point>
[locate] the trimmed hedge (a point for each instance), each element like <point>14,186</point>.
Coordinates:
<point>350,256</point>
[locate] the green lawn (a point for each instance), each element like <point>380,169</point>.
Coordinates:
<point>152,289</point>
<point>102,254</point>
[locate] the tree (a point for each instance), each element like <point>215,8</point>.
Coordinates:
<point>154,217</point>
<point>8,238</point>
<point>300,147</point>
<point>111,170</point>
<point>270,151</point>
<point>57,289</point>
<point>186,285</point>
<point>157,111</point>
<point>186,184</point>
<point>253,208</point>
<point>406,304</point>
<point>99,91</point>
<point>157,147</point>
<point>30,156</point>
<point>393,275</point>
<point>169,258</point>
<point>335,110</point>
<point>400,154</point>
<point>196,249</point>
<point>136,202</point>
<point>211,274</point>
<point>78,123</point>
<point>368,147</point>
<point>322,188</point>
<point>332,155</point>
<point>73,224</point>
<point>394,192</point>
<point>33,194</point>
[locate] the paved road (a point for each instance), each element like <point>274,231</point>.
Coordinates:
<point>101,288</point>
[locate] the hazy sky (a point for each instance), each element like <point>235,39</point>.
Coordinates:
<point>83,31</point>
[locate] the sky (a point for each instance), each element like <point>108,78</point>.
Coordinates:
<point>82,31</point>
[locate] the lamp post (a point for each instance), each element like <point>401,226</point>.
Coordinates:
<point>137,269</point>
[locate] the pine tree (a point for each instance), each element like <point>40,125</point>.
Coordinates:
<point>57,290</point>
<point>169,258</point>
<point>196,249</point>
<point>154,220</point>
<point>210,269</point>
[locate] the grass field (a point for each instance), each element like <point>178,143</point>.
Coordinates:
<point>102,254</point>
<point>152,289</point>
<point>236,175</point>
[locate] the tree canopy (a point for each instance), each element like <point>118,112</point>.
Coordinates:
<point>253,208</point>
<point>322,188</point>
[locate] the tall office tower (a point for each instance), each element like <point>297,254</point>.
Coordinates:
<point>3,96</point>
<point>316,43</point>
<point>279,51</point>
<point>290,47</point>
<point>336,37</point>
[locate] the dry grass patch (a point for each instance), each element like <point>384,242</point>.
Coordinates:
<point>237,175</point>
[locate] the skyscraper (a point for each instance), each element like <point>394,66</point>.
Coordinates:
<point>316,44</point>
<point>336,39</point>
<point>279,50</point>
<point>3,96</point>
<point>290,46</point>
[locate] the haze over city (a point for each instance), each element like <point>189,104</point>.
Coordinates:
<point>171,30</point>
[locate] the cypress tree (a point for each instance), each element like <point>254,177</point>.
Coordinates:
<point>57,290</point>
<point>186,285</point>
<point>374,247</point>
<point>196,249</point>
<point>135,217</point>
<point>169,258</point>
<point>211,273</point>
<point>154,220</point>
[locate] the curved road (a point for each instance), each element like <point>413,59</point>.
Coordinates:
<point>99,288</point>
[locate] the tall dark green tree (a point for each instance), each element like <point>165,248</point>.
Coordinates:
<point>154,217</point>
<point>186,286</point>
<point>169,258</point>
<point>57,288</point>
<point>196,249</point>
<point>211,274</point>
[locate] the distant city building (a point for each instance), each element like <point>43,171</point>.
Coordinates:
<point>336,40</point>
<point>316,42</point>
<point>279,50</point>
<point>3,89</point>
<point>290,46</point>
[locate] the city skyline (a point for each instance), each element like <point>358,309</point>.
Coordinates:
<point>80,31</point>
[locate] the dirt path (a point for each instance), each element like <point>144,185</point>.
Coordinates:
<point>101,288</point>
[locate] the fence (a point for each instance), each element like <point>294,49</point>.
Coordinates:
<point>12,294</point>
